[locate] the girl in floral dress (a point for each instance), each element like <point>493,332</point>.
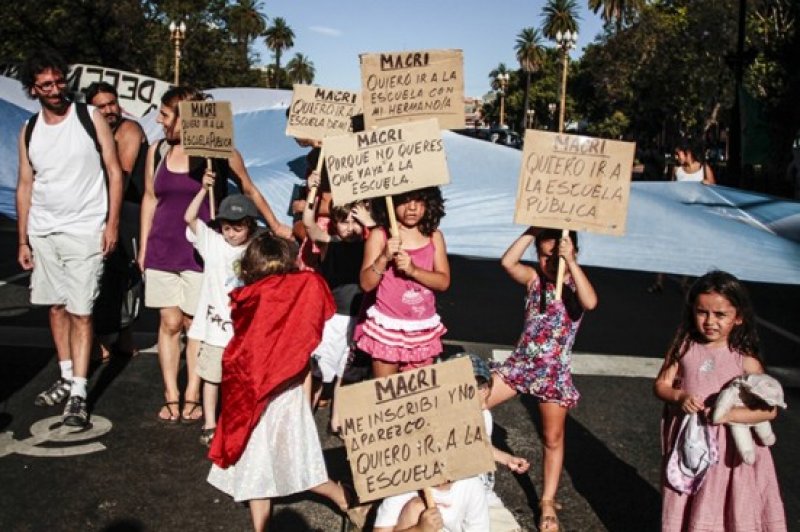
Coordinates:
<point>540,365</point>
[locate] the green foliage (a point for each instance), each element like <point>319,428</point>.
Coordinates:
<point>279,37</point>
<point>133,35</point>
<point>559,15</point>
<point>300,69</point>
<point>612,127</point>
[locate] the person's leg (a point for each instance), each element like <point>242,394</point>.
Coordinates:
<point>384,369</point>
<point>60,389</point>
<point>334,492</point>
<point>501,392</point>
<point>59,327</point>
<point>259,512</point>
<point>169,357</point>
<point>334,422</point>
<point>80,343</point>
<point>553,420</point>
<point>210,399</point>
<point>192,407</point>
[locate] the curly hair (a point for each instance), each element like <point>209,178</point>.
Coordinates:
<point>38,63</point>
<point>434,208</point>
<point>743,338</point>
<point>267,255</point>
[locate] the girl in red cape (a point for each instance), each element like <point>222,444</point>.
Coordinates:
<point>266,444</point>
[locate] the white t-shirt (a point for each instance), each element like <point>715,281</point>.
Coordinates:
<point>69,192</point>
<point>463,507</point>
<point>683,175</point>
<point>212,320</point>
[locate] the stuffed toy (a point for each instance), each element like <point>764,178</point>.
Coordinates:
<point>754,390</point>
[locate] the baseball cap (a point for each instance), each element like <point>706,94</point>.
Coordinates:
<point>479,366</point>
<point>236,207</point>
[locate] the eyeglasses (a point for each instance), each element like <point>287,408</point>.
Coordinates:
<point>47,86</point>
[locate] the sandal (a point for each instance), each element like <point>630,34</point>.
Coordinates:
<point>194,414</point>
<point>356,512</point>
<point>206,435</point>
<point>172,410</point>
<point>548,522</point>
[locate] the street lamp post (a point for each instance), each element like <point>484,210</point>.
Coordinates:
<point>502,80</point>
<point>531,114</point>
<point>565,42</point>
<point>177,34</point>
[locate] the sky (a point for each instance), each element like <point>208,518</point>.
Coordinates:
<point>332,34</point>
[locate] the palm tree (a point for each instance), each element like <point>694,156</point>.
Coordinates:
<point>559,15</point>
<point>300,69</point>
<point>501,69</point>
<point>246,22</point>
<point>279,37</point>
<point>617,10</point>
<point>530,55</point>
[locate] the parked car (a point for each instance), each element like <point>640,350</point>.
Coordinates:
<point>495,135</point>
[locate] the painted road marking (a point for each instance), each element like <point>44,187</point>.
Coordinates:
<point>52,430</point>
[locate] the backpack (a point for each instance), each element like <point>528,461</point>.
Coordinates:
<point>197,167</point>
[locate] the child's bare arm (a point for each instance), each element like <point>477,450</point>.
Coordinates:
<point>190,216</point>
<point>377,256</point>
<point>743,414</point>
<point>515,464</point>
<point>314,232</point>
<point>665,391</point>
<point>510,260</point>
<point>437,279</point>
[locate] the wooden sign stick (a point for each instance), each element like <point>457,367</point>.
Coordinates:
<point>211,201</point>
<point>428,497</point>
<point>312,192</point>
<point>392,218</point>
<point>562,266</point>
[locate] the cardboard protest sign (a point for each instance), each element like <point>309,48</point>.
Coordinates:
<point>385,161</point>
<point>137,94</point>
<point>574,182</point>
<point>318,112</point>
<point>207,128</point>
<point>405,86</point>
<point>415,429</point>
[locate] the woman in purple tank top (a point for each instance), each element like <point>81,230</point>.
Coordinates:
<point>173,272</point>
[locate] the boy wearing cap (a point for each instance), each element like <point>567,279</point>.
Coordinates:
<point>221,246</point>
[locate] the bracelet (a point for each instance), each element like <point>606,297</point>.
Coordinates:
<point>24,244</point>
<point>377,272</point>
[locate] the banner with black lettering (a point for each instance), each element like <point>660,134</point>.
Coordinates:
<point>319,112</point>
<point>137,94</point>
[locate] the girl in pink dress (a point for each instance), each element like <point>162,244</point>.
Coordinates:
<point>402,329</point>
<point>716,342</point>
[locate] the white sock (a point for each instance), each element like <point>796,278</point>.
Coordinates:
<point>66,369</point>
<point>78,387</point>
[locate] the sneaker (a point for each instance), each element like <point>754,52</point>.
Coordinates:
<point>55,394</point>
<point>75,414</point>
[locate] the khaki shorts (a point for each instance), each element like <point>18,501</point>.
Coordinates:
<point>172,289</point>
<point>66,271</point>
<point>209,363</point>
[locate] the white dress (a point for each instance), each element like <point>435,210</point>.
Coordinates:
<point>282,457</point>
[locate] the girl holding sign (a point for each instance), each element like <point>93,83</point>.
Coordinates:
<point>402,329</point>
<point>540,365</point>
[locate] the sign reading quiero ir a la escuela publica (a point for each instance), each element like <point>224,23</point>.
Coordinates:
<point>207,128</point>
<point>574,182</point>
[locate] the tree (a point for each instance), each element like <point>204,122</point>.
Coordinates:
<point>530,56</point>
<point>246,22</point>
<point>300,69</point>
<point>559,15</point>
<point>617,11</point>
<point>279,37</point>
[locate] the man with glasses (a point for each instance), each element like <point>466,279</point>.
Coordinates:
<point>112,327</point>
<point>68,218</point>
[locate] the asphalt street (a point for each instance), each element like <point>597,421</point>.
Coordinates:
<point>128,472</point>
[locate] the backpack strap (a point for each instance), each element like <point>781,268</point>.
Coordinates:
<point>28,134</point>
